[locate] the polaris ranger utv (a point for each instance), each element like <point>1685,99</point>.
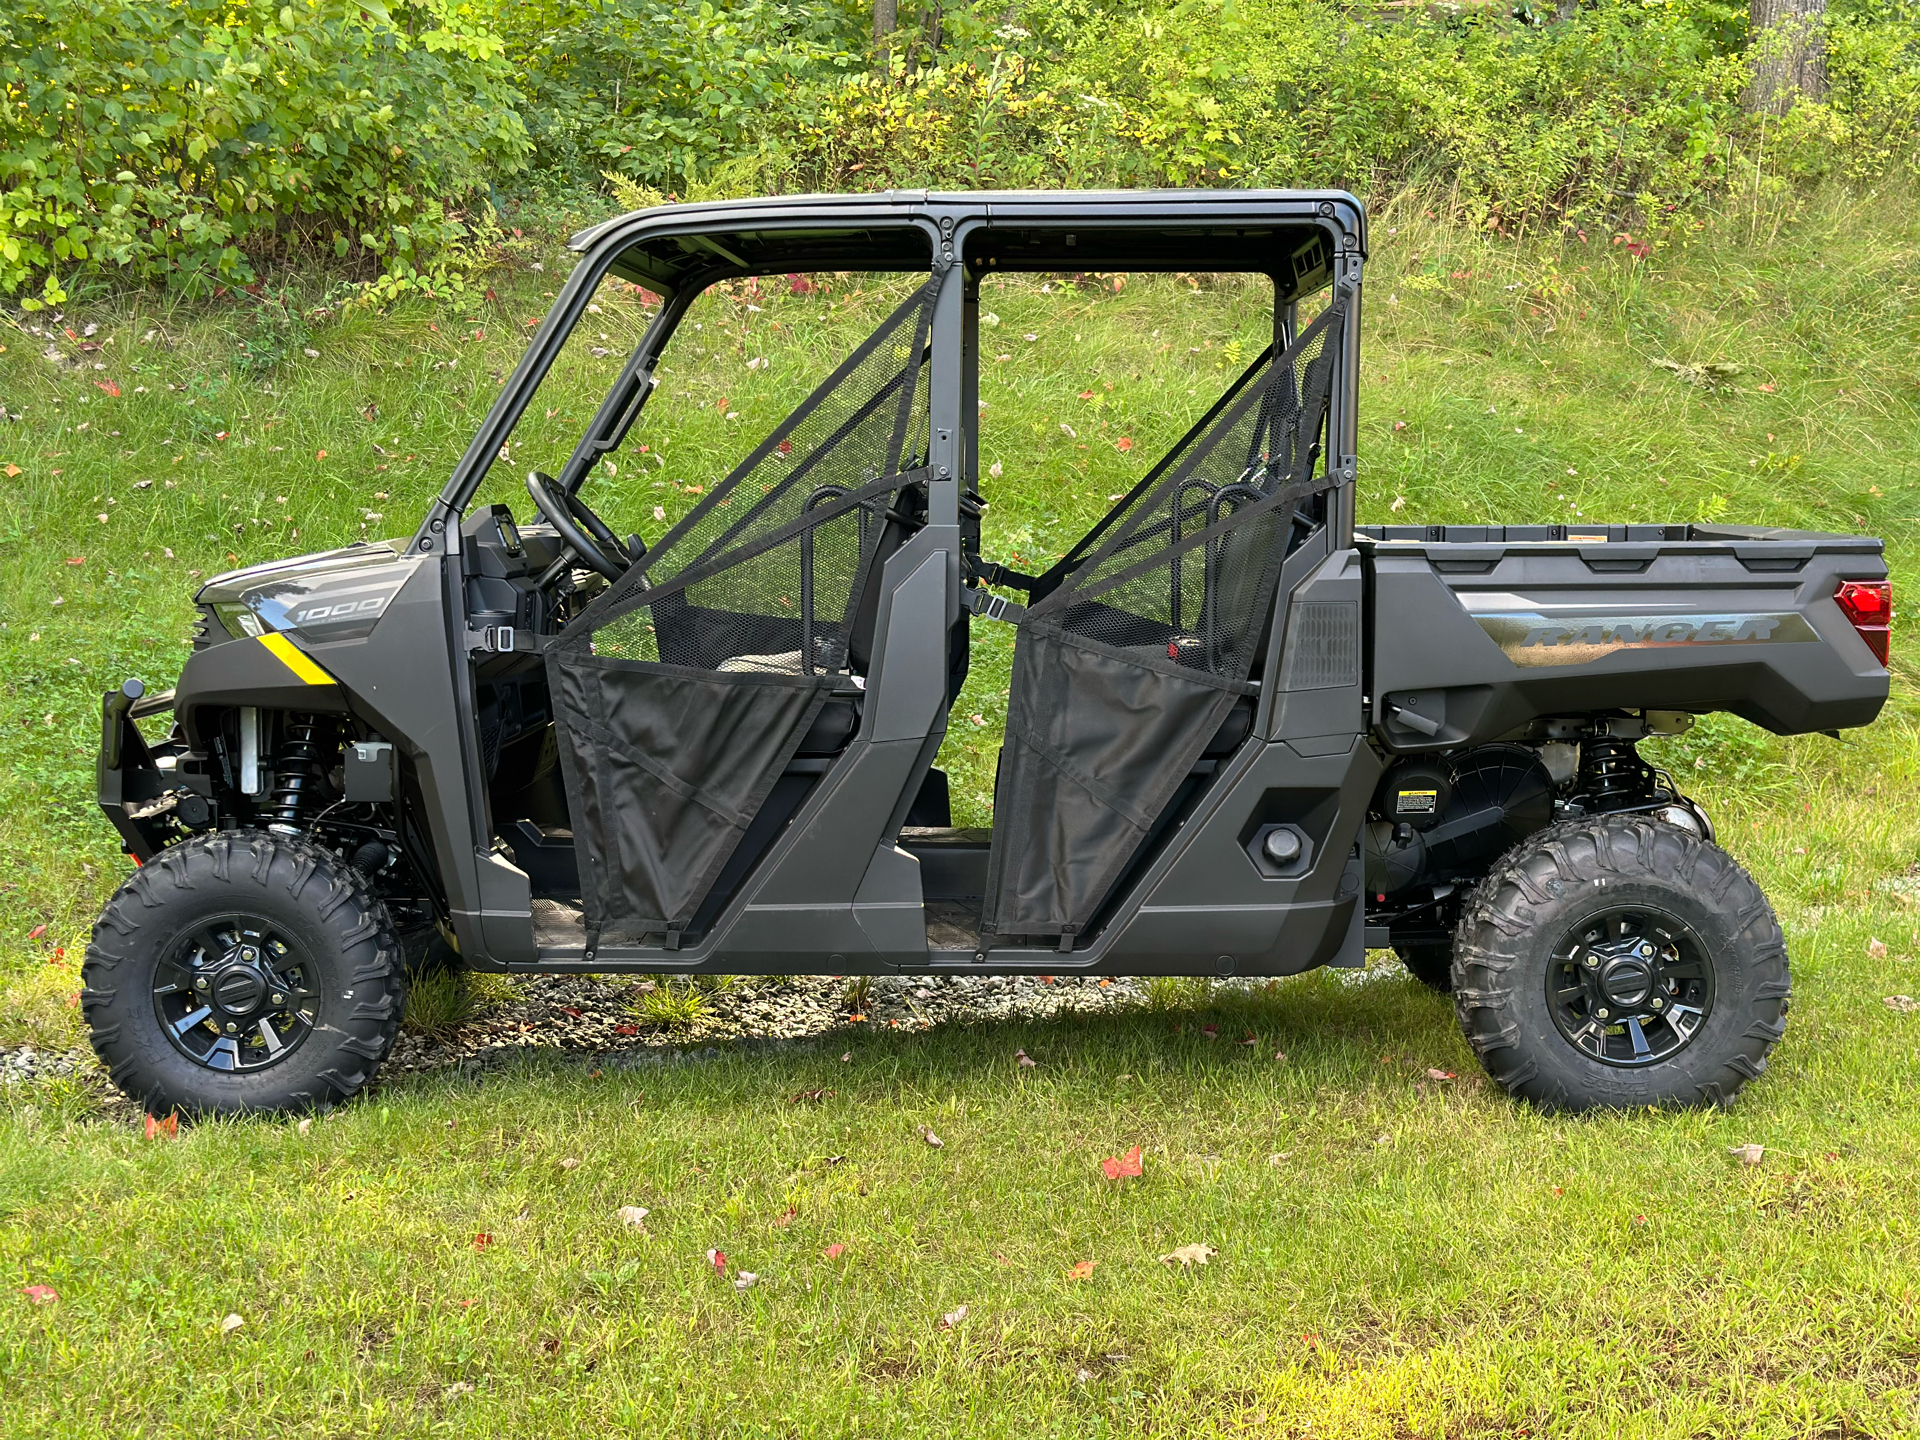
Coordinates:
<point>1245,736</point>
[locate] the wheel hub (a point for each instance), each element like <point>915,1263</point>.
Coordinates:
<point>1630,986</point>
<point>238,989</point>
<point>1626,981</point>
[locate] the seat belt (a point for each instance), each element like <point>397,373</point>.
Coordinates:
<point>991,607</point>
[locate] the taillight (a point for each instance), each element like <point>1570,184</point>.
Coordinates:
<point>1868,604</point>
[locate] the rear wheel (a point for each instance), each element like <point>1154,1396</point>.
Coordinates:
<point>1431,965</point>
<point>243,972</point>
<point>1617,962</point>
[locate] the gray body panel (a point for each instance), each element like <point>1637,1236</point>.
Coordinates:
<point>1481,634</point>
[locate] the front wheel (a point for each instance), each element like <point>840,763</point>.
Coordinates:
<point>1615,962</point>
<point>243,972</point>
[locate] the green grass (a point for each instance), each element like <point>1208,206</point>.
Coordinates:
<point>1428,1259</point>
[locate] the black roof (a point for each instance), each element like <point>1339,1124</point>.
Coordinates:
<point>1289,234</point>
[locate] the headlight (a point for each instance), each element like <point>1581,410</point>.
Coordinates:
<point>240,622</point>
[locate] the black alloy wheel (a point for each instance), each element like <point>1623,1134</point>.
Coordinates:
<point>235,993</point>
<point>1630,986</point>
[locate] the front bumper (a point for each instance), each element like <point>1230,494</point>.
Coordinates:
<point>137,788</point>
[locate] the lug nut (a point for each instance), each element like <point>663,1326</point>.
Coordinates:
<point>1601,1012</point>
<point>1658,1003</point>
<point>201,983</point>
<point>279,999</point>
<point>232,1029</point>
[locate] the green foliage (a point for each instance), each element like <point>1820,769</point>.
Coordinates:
<point>669,1002</point>
<point>662,91</point>
<point>188,142</point>
<point>439,1002</point>
<point>1625,111</point>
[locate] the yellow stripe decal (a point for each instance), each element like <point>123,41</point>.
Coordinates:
<point>295,659</point>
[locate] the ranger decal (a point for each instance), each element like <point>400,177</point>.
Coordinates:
<point>1533,639</point>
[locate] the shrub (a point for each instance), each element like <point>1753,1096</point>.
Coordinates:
<point>1624,110</point>
<point>188,141</point>
<point>664,91</point>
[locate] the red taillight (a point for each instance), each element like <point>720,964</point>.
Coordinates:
<point>1868,604</point>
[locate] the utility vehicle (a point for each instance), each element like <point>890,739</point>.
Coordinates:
<point>1245,736</point>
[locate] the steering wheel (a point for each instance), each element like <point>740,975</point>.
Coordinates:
<point>561,515</point>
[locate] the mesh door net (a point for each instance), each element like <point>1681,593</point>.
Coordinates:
<point>682,692</point>
<point>1142,638</point>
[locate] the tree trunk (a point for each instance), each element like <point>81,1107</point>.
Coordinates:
<point>1787,47</point>
<point>886,15</point>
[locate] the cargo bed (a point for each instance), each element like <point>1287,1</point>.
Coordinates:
<point>1480,629</point>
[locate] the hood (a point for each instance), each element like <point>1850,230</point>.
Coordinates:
<point>333,595</point>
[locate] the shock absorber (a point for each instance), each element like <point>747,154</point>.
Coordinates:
<point>1612,774</point>
<point>306,747</point>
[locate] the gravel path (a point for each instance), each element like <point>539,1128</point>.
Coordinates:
<point>594,1015</point>
<point>591,1015</point>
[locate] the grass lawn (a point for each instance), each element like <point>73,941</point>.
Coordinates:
<point>1395,1255</point>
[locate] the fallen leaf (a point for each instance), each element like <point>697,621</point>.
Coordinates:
<point>1747,1154</point>
<point>1027,1062</point>
<point>1212,1032</point>
<point>1399,503</point>
<point>305,1126</point>
<point>36,932</point>
<point>76,559</point>
<point>721,404</point>
<point>163,1129</point>
<point>632,1216</point>
<point>834,1251</point>
<point>1399,425</point>
<point>745,1280</point>
<point>1279,1158</point>
<point>1876,949</point>
<point>1186,1255</point>
<point>231,1324</point>
<point>932,1139</point>
<point>13,470</point>
<point>40,1294</point>
<point>1252,1039</point>
<point>717,1259</point>
<point>1905,1004</point>
<point>786,1217</point>
<point>482,1240</point>
<point>570,1163</point>
<point>1279,1054</point>
<point>953,1317</point>
<point>847,1058</point>
<point>1124,443</point>
<point>1433,1074</point>
<point>1121,1167</point>
<point>1082,1271</point>
<point>107,385</point>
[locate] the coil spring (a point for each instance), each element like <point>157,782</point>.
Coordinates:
<point>1611,770</point>
<point>303,748</point>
